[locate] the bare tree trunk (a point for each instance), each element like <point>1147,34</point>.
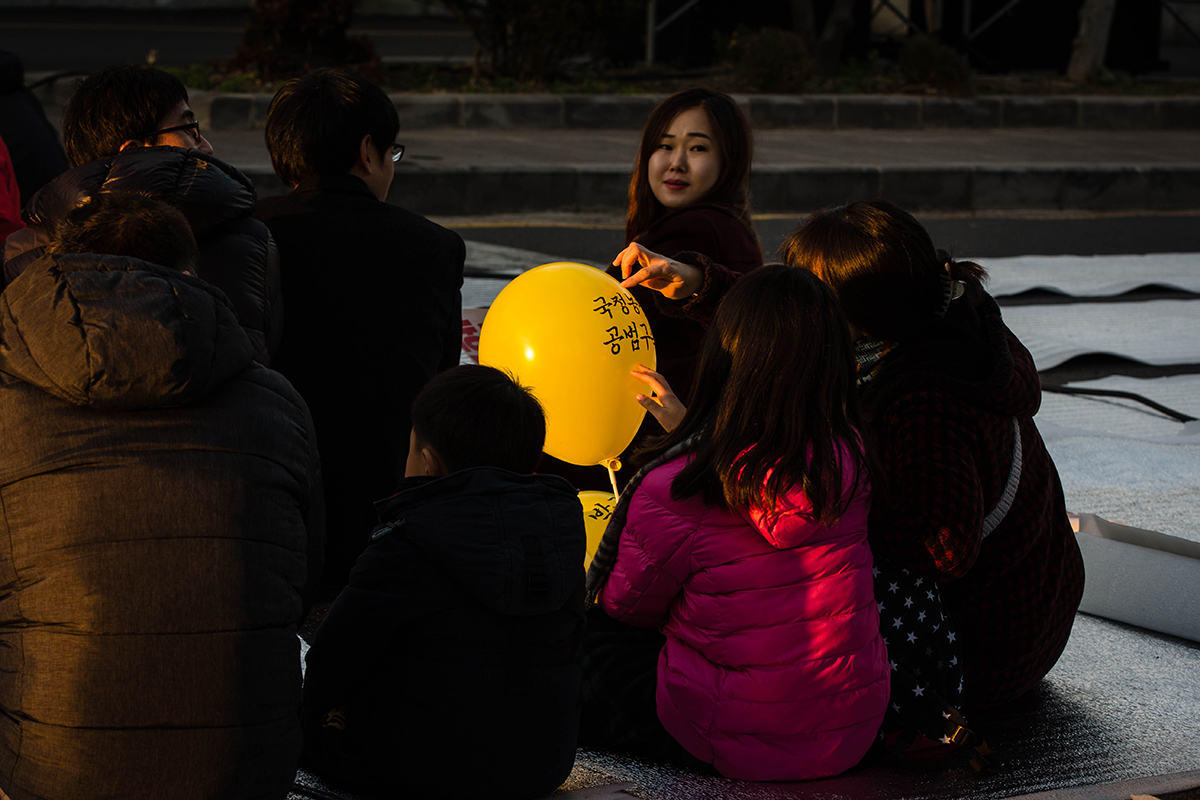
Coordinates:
<point>804,23</point>
<point>1095,21</point>
<point>833,36</point>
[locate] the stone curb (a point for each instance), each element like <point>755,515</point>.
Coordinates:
<point>495,190</point>
<point>232,111</point>
<point>545,111</point>
<point>248,111</point>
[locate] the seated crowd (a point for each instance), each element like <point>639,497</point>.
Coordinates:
<point>221,412</point>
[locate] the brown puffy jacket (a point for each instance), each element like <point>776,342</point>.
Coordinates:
<point>159,502</point>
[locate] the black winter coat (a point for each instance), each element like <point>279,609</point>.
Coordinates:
<point>455,644</point>
<point>373,312</point>
<point>237,253</point>
<point>160,526</point>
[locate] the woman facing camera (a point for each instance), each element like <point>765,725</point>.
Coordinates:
<point>690,191</point>
<point>948,393</point>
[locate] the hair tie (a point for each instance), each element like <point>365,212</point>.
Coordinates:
<point>951,291</point>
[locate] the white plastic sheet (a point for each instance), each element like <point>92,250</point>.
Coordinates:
<point>1140,577</point>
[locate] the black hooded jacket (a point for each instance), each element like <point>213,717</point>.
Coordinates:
<point>237,253</point>
<point>160,530</point>
<point>456,640</point>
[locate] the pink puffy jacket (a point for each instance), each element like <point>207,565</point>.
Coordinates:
<point>774,667</point>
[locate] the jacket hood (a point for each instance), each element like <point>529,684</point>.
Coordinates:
<point>112,332</point>
<point>517,543</point>
<point>208,191</point>
<point>972,355</point>
<point>791,523</point>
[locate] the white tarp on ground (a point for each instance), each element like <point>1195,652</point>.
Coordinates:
<point>1093,276</point>
<point>1153,332</point>
<point>1124,461</point>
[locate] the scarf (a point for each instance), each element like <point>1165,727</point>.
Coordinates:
<point>869,354</point>
<point>606,552</point>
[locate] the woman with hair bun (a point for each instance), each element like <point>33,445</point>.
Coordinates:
<point>972,499</point>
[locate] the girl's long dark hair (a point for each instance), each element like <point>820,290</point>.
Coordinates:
<point>882,265</point>
<point>734,141</point>
<point>772,406</point>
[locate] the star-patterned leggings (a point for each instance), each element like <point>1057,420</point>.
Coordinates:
<point>925,656</point>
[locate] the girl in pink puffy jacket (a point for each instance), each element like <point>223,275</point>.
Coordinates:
<point>741,552</point>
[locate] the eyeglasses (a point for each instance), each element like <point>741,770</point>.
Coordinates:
<point>193,127</point>
<point>397,152</point>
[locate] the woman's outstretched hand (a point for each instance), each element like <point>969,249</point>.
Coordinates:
<point>666,407</point>
<point>673,279</point>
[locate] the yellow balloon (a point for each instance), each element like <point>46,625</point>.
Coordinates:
<point>597,509</point>
<point>571,334</point>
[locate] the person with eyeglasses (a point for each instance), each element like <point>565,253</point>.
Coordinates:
<point>131,126</point>
<point>373,293</point>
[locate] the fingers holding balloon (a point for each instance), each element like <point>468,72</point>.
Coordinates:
<point>664,405</point>
<point>654,380</point>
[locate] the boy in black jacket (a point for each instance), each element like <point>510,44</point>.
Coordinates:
<point>456,639</point>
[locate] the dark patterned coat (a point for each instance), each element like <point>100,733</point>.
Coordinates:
<point>941,417</point>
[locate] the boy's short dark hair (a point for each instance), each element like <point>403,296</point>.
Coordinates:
<point>476,416</point>
<point>316,122</point>
<point>114,105</point>
<point>128,224</point>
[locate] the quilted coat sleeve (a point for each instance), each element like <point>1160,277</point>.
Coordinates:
<point>653,562</point>
<point>931,518</point>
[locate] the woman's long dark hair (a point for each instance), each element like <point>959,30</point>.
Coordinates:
<point>882,265</point>
<point>772,406</point>
<point>734,141</point>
